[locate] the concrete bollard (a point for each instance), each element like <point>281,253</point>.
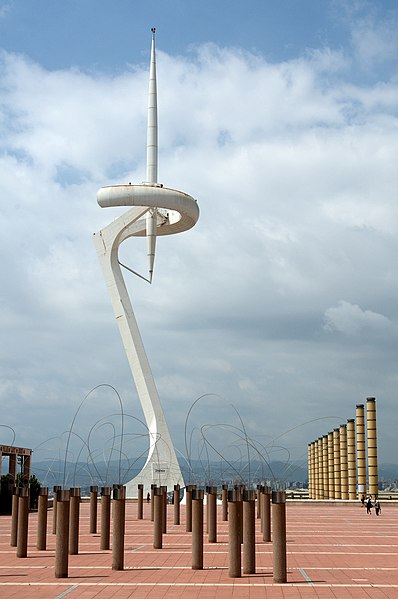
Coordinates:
<point>259,500</point>
<point>176,503</point>
<point>23,520</point>
<point>224,500</point>
<point>266,514</point>
<point>212,514</point>
<point>197,529</point>
<point>74,512</point>
<point>93,509</point>
<point>119,526</point>
<point>62,538</point>
<point>164,516</point>
<point>188,507</point>
<point>140,502</point>
<point>158,518</point>
<point>279,536</point>
<point>249,532</point>
<point>56,488</point>
<point>42,507</point>
<point>14,516</point>
<point>153,487</point>
<point>105,517</point>
<point>234,544</point>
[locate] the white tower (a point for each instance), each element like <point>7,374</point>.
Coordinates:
<point>156,210</point>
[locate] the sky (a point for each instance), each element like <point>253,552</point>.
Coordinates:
<point>280,306</point>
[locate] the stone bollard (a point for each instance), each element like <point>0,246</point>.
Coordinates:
<point>176,503</point>
<point>259,500</point>
<point>153,487</point>
<point>23,520</point>
<point>42,507</point>
<point>140,502</point>
<point>56,488</point>
<point>14,516</point>
<point>105,517</point>
<point>93,509</point>
<point>249,532</point>
<point>266,514</point>
<point>62,538</point>
<point>234,544</point>
<point>74,512</point>
<point>224,498</point>
<point>188,507</point>
<point>212,514</point>
<point>197,529</point>
<point>238,493</point>
<point>158,518</point>
<point>279,536</point>
<point>164,516</point>
<point>119,525</point>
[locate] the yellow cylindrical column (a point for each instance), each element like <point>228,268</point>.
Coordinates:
<point>343,461</point>
<point>320,468</point>
<point>372,446</point>
<point>325,467</point>
<point>336,463</point>
<point>360,443</point>
<point>309,472</point>
<point>331,465</point>
<point>351,460</point>
<point>316,470</point>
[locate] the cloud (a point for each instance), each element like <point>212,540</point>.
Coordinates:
<point>350,319</point>
<point>293,166</point>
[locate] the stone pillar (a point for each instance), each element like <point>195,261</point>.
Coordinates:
<point>188,508</point>
<point>157,518</point>
<point>372,446</point>
<point>56,488</point>
<point>316,470</point>
<point>26,466</point>
<point>249,532</point>
<point>119,524</point>
<point>343,461</point>
<point>360,443</point>
<point>164,518</point>
<point>140,502</point>
<point>325,467</point>
<point>23,518</point>
<point>212,514</point>
<point>42,508</point>
<point>351,460</point>
<point>331,465</point>
<point>14,516</point>
<point>62,538</point>
<point>234,544</point>
<point>197,529</point>
<point>258,501</point>
<point>224,496</point>
<point>176,504</point>
<point>153,487</point>
<point>105,517</point>
<point>93,508</point>
<point>266,515</point>
<point>74,512</point>
<point>279,536</point>
<point>336,463</point>
<point>320,468</point>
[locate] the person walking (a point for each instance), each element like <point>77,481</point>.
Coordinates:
<point>369,506</point>
<point>377,507</point>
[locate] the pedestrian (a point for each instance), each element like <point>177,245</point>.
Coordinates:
<point>377,507</point>
<point>363,500</point>
<point>148,498</point>
<point>369,506</point>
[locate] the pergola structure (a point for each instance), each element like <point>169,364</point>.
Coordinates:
<point>13,453</point>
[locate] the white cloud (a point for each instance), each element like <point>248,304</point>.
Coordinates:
<point>295,177</point>
<point>350,319</point>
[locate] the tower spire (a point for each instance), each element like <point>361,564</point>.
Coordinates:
<point>152,132</point>
<point>152,156</point>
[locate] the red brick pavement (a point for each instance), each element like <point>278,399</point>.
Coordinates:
<point>333,551</point>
